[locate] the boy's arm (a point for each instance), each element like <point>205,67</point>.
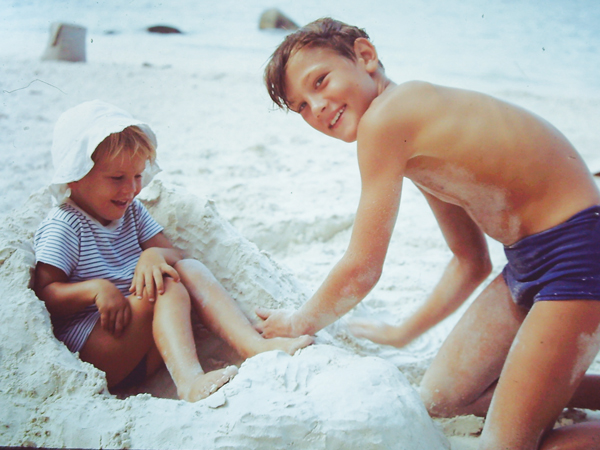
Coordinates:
<point>63,298</point>
<point>163,246</point>
<point>158,258</point>
<point>352,278</point>
<point>469,266</point>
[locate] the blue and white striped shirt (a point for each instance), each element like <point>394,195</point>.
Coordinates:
<point>83,249</point>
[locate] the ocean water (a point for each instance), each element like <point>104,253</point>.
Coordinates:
<point>534,46</point>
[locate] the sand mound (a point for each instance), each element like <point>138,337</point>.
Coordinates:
<point>322,397</point>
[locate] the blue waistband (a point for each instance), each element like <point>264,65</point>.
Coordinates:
<point>589,215</point>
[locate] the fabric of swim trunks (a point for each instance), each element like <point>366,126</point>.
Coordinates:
<point>562,263</point>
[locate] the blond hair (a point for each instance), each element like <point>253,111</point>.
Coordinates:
<point>131,140</point>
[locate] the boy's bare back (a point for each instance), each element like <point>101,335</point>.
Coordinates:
<point>510,170</point>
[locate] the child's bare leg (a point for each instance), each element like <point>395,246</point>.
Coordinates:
<point>118,356</point>
<point>554,347</point>
<point>219,311</point>
<point>462,376</point>
<point>174,338</point>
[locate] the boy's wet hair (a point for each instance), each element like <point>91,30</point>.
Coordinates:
<point>131,140</point>
<point>325,33</point>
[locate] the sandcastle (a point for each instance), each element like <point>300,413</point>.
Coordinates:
<point>324,397</point>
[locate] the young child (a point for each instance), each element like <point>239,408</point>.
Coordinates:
<point>485,166</point>
<point>116,289</point>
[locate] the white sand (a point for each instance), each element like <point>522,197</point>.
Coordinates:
<point>291,194</point>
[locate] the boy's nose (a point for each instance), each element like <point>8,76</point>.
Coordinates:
<point>318,107</point>
<point>132,187</point>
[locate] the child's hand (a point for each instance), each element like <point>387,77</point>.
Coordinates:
<point>148,275</point>
<point>115,311</point>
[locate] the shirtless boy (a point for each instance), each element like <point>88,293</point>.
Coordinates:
<point>520,352</point>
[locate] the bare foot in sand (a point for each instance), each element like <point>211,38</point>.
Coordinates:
<point>206,383</point>
<point>376,331</point>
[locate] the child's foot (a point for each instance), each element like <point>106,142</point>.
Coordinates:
<point>206,383</point>
<point>288,345</point>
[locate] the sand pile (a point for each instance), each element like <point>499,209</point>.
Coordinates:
<point>323,397</point>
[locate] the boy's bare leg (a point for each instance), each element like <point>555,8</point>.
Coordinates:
<point>219,311</point>
<point>587,395</point>
<point>174,338</point>
<point>581,436</point>
<point>118,356</point>
<point>551,352</point>
<point>462,376</point>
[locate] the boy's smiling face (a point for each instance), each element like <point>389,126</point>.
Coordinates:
<point>332,92</point>
<point>108,189</point>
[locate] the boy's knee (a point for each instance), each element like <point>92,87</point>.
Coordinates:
<point>193,271</point>
<point>437,402</point>
<point>190,267</point>
<point>175,289</point>
<point>184,265</point>
<point>141,308</point>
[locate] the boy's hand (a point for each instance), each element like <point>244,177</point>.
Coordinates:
<point>148,275</point>
<point>276,323</point>
<point>115,311</point>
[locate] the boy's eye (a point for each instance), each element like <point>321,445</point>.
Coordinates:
<point>117,178</point>
<point>301,107</point>
<point>319,81</point>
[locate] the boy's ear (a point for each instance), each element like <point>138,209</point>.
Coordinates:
<point>365,51</point>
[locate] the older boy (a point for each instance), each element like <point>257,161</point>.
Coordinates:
<point>485,167</point>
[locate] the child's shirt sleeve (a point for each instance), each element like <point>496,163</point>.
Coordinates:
<point>146,225</point>
<point>56,242</point>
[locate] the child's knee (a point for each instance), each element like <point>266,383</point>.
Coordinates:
<point>175,290</point>
<point>141,306</point>
<point>192,269</point>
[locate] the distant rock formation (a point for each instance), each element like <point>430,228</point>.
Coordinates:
<point>66,43</point>
<point>273,18</point>
<point>163,29</point>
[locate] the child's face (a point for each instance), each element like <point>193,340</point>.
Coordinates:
<point>110,187</point>
<point>330,91</point>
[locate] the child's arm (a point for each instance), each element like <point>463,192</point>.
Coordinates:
<point>63,298</point>
<point>157,259</point>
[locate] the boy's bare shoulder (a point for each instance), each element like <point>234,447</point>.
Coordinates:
<point>398,111</point>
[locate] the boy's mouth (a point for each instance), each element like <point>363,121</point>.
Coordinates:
<point>337,116</point>
<point>120,203</point>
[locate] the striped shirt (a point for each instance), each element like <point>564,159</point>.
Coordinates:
<point>83,249</point>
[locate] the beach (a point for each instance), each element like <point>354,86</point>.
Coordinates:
<point>267,203</point>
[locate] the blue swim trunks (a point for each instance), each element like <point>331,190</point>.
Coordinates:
<point>562,263</point>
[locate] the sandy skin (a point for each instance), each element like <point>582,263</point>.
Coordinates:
<point>485,167</point>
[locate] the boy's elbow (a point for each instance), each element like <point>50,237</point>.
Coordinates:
<point>483,267</point>
<point>363,278</point>
<point>478,268</point>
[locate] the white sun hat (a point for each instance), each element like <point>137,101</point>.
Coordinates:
<point>78,132</point>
